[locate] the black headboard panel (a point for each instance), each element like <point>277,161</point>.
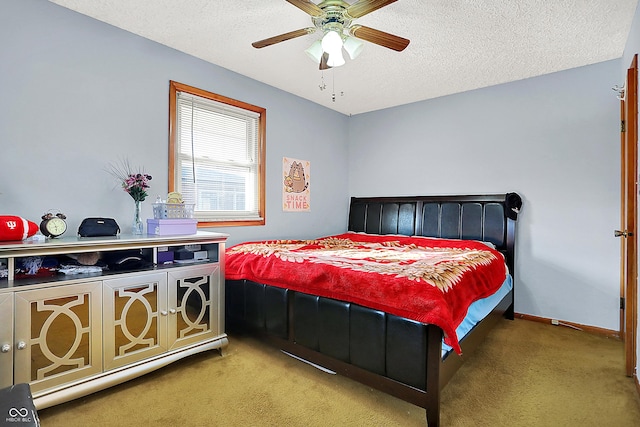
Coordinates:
<point>488,218</point>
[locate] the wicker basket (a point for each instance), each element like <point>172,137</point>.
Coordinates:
<point>172,210</point>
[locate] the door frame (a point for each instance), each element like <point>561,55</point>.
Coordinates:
<point>629,217</point>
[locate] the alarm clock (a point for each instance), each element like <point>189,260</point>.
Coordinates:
<point>53,225</point>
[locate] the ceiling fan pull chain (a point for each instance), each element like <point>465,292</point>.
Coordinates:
<point>333,87</point>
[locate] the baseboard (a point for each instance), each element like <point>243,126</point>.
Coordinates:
<point>590,329</point>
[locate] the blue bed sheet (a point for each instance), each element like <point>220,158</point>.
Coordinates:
<point>479,310</point>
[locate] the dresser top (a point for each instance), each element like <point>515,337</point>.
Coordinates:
<point>71,244</point>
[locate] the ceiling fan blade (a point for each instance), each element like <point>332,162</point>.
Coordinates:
<point>379,37</point>
<point>307,6</point>
<point>323,61</point>
<point>283,37</point>
<point>362,7</point>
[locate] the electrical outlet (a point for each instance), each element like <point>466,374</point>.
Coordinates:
<point>555,322</point>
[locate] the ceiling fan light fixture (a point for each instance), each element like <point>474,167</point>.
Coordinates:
<point>335,59</point>
<point>332,45</point>
<point>334,18</point>
<point>353,46</point>
<point>315,51</point>
<point>331,42</point>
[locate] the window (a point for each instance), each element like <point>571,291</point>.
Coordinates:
<point>217,155</point>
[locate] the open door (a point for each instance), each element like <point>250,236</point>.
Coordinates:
<point>628,216</point>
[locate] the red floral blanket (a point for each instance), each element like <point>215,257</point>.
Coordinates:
<point>419,278</point>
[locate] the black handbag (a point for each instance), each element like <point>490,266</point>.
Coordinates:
<point>95,227</point>
<point>128,259</point>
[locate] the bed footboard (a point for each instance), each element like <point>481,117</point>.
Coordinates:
<point>398,356</point>
<point>395,355</point>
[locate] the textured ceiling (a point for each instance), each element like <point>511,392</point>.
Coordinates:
<point>456,45</point>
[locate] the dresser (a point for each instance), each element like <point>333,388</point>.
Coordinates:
<point>146,302</point>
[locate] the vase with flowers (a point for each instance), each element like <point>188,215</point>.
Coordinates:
<point>135,183</point>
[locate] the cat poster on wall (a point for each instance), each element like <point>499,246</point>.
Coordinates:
<point>296,196</point>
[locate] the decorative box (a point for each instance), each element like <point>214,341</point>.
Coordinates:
<point>200,255</point>
<point>184,254</point>
<point>165,257</point>
<point>172,226</point>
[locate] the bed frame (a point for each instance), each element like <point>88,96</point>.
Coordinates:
<point>398,356</point>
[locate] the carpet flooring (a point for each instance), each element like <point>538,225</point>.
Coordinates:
<point>524,374</point>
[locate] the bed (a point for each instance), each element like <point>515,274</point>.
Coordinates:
<point>376,342</point>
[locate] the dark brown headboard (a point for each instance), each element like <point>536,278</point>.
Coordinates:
<point>488,218</point>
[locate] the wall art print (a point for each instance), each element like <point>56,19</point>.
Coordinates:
<point>296,195</point>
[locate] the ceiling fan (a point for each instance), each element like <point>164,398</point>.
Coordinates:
<point>333,18</point>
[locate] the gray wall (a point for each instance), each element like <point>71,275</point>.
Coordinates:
<point>79,94</point>
<point>553,139</point>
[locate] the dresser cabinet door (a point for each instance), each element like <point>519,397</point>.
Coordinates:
<point>58,334</point>
<point>6,340</point>
<point>135,318</point>
<point>193,304</point>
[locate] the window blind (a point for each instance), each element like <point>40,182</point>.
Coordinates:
<point>218,158</point>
